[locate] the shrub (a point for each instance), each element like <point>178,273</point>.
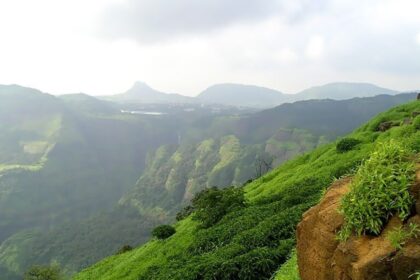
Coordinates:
<point>124,249</point>
<point>379,190</point>
<point>185,212</point>
<point>347,144</point>
<point>398,237</point>
<point>41,272</point>
<point>212,204</point>
<point>163,231</point>
<point>416,122</point>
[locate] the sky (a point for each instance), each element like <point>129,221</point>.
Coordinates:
<point>102,47</point>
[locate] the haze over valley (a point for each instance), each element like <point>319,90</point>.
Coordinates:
<point>209,140</point>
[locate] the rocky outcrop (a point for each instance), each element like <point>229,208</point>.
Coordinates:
<point>322,257</point>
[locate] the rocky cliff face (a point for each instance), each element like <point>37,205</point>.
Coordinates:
<point>321,256</point>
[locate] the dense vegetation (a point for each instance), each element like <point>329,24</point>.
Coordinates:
<point>379,190</point>
<point>43,273</point>
<point>253,241</point>
<point>163,231</point>
<point>67,163</point>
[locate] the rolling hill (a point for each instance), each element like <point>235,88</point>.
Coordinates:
<point>242,95</point>
<point>251,96</point>
<point>339,91</point>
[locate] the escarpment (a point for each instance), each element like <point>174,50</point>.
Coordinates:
<point>321,256</point>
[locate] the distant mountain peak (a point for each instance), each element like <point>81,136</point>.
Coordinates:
<point>141,88</point>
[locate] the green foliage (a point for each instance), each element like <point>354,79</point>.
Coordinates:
<point>380,189</point>
<point>399,236</point>
<point>163,231</point>
<point>212,204</point>
<point>124,249</point>
<point>347,144</point>
<point>38,272</point>
<point>289,270</point>
<point>416,122</point>
<point>185,212</point>
<point>261,232</point>
<point>415,275</point>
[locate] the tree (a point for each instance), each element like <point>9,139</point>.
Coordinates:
<point>41,272</point>
<point>212,204</point>
<point>347,144</point>
<point>163,231</point>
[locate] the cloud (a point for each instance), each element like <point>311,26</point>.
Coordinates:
<point>157,20</point>
<point>315,47</point>
<point>418,38</point>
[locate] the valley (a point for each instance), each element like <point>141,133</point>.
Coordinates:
<point>89,176</point>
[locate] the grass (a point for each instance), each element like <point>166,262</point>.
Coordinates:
<point>379,190</point>
<point>399,236</point>
<point>255,242</point>
<point>289,270</point>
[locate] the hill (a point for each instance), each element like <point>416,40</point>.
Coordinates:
<point>61,163</point>
<point>110,177</point>
<point>242,95</point>
<point>339,91</point>
<point>248,96</point>
<point>252,241</point>
<point>142,93</point>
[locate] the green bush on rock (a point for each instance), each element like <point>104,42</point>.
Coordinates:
<point>379,190</point>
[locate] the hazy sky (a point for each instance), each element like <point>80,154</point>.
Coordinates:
<point>103,46</point>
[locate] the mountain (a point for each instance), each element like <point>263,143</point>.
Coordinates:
<point>249,232</point>
<point>61,163</point>
<point>142,93</point>
<point>242,95</point>
<point>79,179</point>
<point>81,102</point>
<point>251,96</point>
<point>339,91</point>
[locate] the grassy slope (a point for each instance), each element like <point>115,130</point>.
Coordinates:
<point>297,182</point>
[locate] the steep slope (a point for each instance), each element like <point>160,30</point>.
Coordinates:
<point>251,242</point>
<point>60,165</point>
<point>323,257</point>
<point>339,91</point>
<point>238,147</point>
<point>99,154</point>
<point>242,95</point>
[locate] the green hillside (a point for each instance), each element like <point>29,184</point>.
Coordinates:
<point>79,179</point>
<point>254,240</point>
<point>62,161</point>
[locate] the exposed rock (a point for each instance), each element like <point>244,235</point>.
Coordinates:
<point>418,96</point>
<point>407,121</point>
<point>322,257</point>
<point>384,126</point>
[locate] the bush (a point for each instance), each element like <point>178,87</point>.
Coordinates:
<point>347,144</point>
<point>163,231</point>
<point>416,122</point>
<point>212,204</point>
<point>379,190</point>
<point>399,236</point>
<point>185,212</point>
<point>40,272</point>
<point>124,249</point>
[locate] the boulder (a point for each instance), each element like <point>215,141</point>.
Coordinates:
<point>322,257</point>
